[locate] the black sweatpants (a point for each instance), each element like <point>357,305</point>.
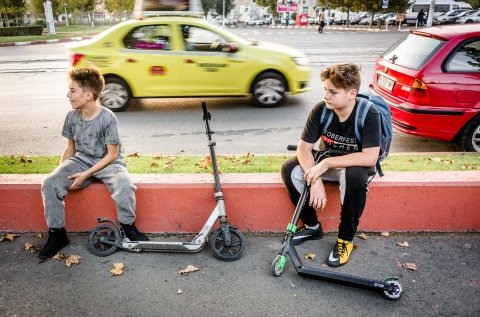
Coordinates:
<point>353,190</point>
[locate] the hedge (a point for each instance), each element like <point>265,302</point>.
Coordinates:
<point>21,30</point>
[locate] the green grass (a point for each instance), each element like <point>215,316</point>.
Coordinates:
<point>248,163</point>
<point>62,32</point>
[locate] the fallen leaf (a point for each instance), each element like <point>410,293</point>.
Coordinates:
<point>154,164</point>
<point>385,234</point>
<point>9,236</point>
<point>179,292</point>
<point>403,244</point>
<point>31,247</point>
<point>39,235</point>
<point>410,266</point>
<point>355,245</point>
<point>72,259</point>
<point>117,269</point>
<point>310,256</point>
<point>133,154</point>
<point>435,159</point>
<point>362,236</point>
<point>188,269</point>
<point>410,161</point>
<point>59,257</point>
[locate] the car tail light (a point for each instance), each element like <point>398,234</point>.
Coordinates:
<point>419,92</point>
<point>76,57</point>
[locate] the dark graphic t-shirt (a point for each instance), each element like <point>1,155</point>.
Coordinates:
<point>341,135</point>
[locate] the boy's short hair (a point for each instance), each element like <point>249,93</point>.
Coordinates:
<point>346,76</point>
<point>88,77</point>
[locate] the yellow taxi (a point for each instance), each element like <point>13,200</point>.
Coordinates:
<point>183,56</point>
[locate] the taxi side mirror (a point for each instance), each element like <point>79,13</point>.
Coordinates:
<point>231,48</point>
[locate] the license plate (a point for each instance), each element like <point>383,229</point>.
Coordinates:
<point>385,82</point>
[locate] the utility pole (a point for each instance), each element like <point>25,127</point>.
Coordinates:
<point>66,14</point>
<point>223,13</point>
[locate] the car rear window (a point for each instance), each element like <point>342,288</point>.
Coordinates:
<point>413,51</point>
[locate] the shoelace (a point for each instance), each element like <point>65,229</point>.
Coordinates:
<point>342,248</point>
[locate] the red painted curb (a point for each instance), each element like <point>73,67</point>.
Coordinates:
<point>400,201</point>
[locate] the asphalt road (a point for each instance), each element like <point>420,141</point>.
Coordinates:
<point>33,103</point>
<point>446,282</point>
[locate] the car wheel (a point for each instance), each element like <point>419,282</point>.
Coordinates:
<point>470,137</point>
<point>269,89</point>
<point>116,94</point>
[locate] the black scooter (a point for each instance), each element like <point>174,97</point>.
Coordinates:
<point>227,242</point>
<point>390,287</point>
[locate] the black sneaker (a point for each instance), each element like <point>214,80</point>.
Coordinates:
<point>132,232</point>
<point>57,240</point>
<point>307,233</point>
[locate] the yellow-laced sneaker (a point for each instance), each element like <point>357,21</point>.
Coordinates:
<point>340,253</point>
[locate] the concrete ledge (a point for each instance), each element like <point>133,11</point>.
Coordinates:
<point>400,201</point>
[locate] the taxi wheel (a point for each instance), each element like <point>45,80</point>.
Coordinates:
<point>269,89</point>
<point>116,94</point>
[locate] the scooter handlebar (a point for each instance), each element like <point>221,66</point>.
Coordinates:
<point>206,114</point>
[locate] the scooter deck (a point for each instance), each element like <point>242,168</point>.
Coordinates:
<point>163,246</point>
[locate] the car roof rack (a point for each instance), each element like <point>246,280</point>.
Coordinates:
<point>156,8</point>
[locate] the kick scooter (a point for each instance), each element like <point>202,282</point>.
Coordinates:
<point>227,242</point>
<point>390,287</point>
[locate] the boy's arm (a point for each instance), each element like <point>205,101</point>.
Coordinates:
<point>69,151</point>
<point>79,178</point>
<point>368,157</point>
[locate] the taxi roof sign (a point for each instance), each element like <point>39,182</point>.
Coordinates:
<point>154,8</point>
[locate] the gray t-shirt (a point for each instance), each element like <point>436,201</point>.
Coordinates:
<point>91,137</point>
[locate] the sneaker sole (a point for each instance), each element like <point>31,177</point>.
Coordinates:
<point>300,241</point>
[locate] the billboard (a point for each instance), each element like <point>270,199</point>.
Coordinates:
<point>145,8</point>
<point>287,6</point>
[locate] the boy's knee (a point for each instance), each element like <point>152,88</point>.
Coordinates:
<point>356,175</point>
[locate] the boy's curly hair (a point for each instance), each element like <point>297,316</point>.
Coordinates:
<point>346,76</point>
<point>88,77</point>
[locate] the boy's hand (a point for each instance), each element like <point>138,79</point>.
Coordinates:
<point>314,173</point>
<point>78,180</point>
<point>318,197</point>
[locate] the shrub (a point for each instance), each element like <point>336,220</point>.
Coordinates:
<point>21,30</point>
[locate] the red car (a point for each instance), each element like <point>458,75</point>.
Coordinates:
<point>431,80</point>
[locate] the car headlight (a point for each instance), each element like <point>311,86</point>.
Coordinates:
<point>301,61</point>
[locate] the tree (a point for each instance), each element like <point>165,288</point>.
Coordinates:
<point>217,6</point>
<point>39,10</point>
<point>11,9</point>
<point>119,6</point>
<point>207,6</point>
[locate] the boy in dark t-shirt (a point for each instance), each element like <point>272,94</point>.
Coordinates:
<point>93,151</point>
<point>353,170</point>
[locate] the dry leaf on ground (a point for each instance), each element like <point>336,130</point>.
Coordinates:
<point>39,235</point>
<point>133,155</point>
<point>310,256</point>
<point>117,269</point>
<point>179,291</point>
<point>59,257</point>
<point>362,236</point>
<point>154,164</point>
<point>72,259</point>
<point>410,266</point>
<point>31,247</point>
<point>403,244</point>
<point>188,269</point>
<point>9,236</point>
<point>385,234</point>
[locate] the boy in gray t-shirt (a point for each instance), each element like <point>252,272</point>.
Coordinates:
<point>94,151</point>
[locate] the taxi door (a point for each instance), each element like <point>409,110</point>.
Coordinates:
<point>149,61</point>
<point>210,65</point>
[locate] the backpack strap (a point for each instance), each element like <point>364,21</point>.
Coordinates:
<point>360,115</point>
<point>325,119</point>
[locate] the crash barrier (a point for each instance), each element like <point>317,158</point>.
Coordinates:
<point>181,203</point>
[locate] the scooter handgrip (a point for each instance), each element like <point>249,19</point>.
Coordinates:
<point>291,147</point>
<point>206,114</point>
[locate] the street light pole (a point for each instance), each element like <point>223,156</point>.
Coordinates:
<point>223,14</point>
<point>66,14</point>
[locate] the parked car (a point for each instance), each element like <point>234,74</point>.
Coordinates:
<point>447,16</point>
<point>358,17</point>
<point>174,56</point>
<point>390,19</point>
<point>473,17</point>
<point>366,20</point>
<point>255,22</point>
<point>431,80</point>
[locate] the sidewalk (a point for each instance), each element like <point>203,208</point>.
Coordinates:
<point>446,283</point>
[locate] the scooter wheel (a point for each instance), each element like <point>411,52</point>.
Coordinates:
<point>99,248</point>
<point>278,265</point>
<point>224,252</point>
<point>397,293</point>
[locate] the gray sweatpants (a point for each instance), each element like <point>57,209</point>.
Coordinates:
<point>114,176</point>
